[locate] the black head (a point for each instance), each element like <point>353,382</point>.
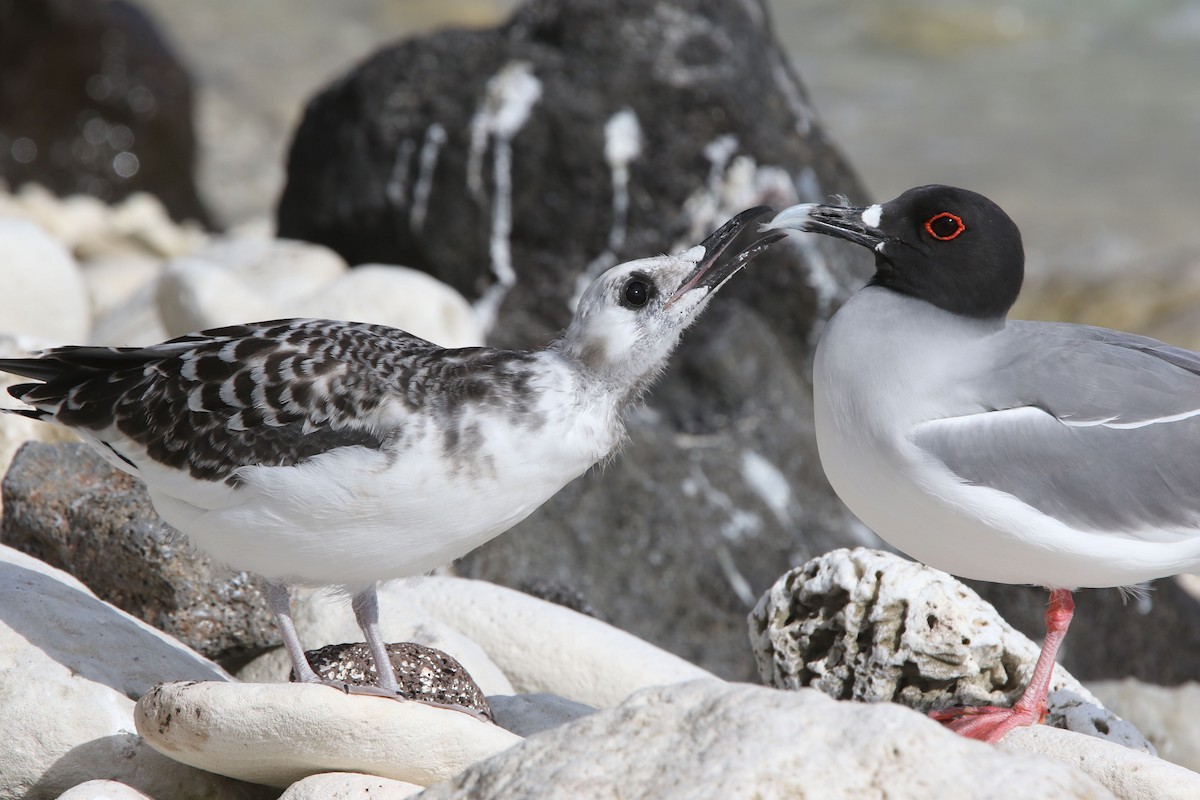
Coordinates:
<point>951,247</point>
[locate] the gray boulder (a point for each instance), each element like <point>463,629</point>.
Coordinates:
<point>64,505</point>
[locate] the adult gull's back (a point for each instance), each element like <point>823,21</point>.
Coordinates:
<point>341,453</point>
<point>1060,455</point>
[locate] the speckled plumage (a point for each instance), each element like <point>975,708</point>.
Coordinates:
<point>343,453</point>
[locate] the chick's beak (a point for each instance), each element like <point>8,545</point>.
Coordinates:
<point>708,274</point>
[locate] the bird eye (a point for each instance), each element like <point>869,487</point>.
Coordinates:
<point>636,293</point>
<point>944,226</point>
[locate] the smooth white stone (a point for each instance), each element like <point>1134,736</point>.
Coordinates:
<point>103,790</point>
<point>349,786</point>
<point>276,734</point>
<point>400,297</point>
<point>133,322</point>
<point>543,647</point>
<point>70,665</point>
<point>113,280</point>
<point>194,294</point>
<point>734,741</point>
<point>279,271</point>
<point>1128,774</point>
<point>1168,715</point>
<point>43,289</point>
<point>322,619</point>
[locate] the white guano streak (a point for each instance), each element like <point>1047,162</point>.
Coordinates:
<point>510,97</point>
<point>435,137</point>
<point>622,144</point>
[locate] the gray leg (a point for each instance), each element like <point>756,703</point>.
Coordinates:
<point>281,604</point>
<point>366,611</point>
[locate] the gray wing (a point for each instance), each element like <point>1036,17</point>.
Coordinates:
<point>1096,428</point>
<point>273,393</point>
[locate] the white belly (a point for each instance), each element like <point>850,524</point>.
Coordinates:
<point>355,516</point>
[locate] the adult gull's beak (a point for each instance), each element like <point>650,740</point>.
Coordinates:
<point>710,275</point>
<point>851,223</point>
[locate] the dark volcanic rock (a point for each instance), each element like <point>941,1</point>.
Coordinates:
<point>424,673</point>
<point>66,506</point>
<point>578,135</point>
<point>93,101</point>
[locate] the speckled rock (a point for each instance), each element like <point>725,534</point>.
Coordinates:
<point>70,668</point>
<point>712,739</point>
<point>65,505</point>
<point>424,674</point>
<point>276,734</point>
<point>868,625</point>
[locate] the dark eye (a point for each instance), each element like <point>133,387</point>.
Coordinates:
<point>636,293</point>
<point>944,226</point>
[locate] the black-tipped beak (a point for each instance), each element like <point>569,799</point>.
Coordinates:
<point>844,222</point>
<point>711,275</point>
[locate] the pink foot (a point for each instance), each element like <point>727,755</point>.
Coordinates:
<point>991,723</point>
<point>986,723</point>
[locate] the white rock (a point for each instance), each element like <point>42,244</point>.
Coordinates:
<point>276,734</point>
<point>114,280</point>
<point>400,297</point>
<point>133,322</point>
<point>70,665</point>
<point>322,619</point>
<point>195,294</point>
<point>349,786</point>
<point>712,739</point>
<point>867,625</point>
<point>103,790</point>
<point>44,293</point>
<point>527,714</point>
<point>543,647</point>
<point>280,271</point>
<point>1128,774</point>
<point>1168,715</point>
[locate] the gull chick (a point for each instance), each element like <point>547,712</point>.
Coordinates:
<point>1043,453</point>
<point>342,454</point>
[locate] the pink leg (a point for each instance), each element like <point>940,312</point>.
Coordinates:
<point>991,723</point>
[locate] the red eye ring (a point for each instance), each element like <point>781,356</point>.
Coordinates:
<point>960,227</point>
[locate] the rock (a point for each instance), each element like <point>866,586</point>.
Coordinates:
<point>527,714</point>
<point>321,619</point>
<point>276,734</point>
<point>446,154</point>
<point>400,297</point>
<point>70,665</point>
<point>93,229</point>
<point>424,674</point>
<point>349,786</point>
<point>195,295</point>
<point>65,505</point>
<point>113,280</point>
<point>133,323</point>
<point>103,790</point>
<point>1125,773</point>
<point>44,293</point>
<point>16,430</point>
<point>1167,715</point>
<point>543,647</point>
<point>1154,637</point>
<point>868,625</point>
<point>711,739</point>
<point>96,104</point>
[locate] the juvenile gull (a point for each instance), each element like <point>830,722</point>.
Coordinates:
<point>1060,455</point>
<point>341,453</point>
